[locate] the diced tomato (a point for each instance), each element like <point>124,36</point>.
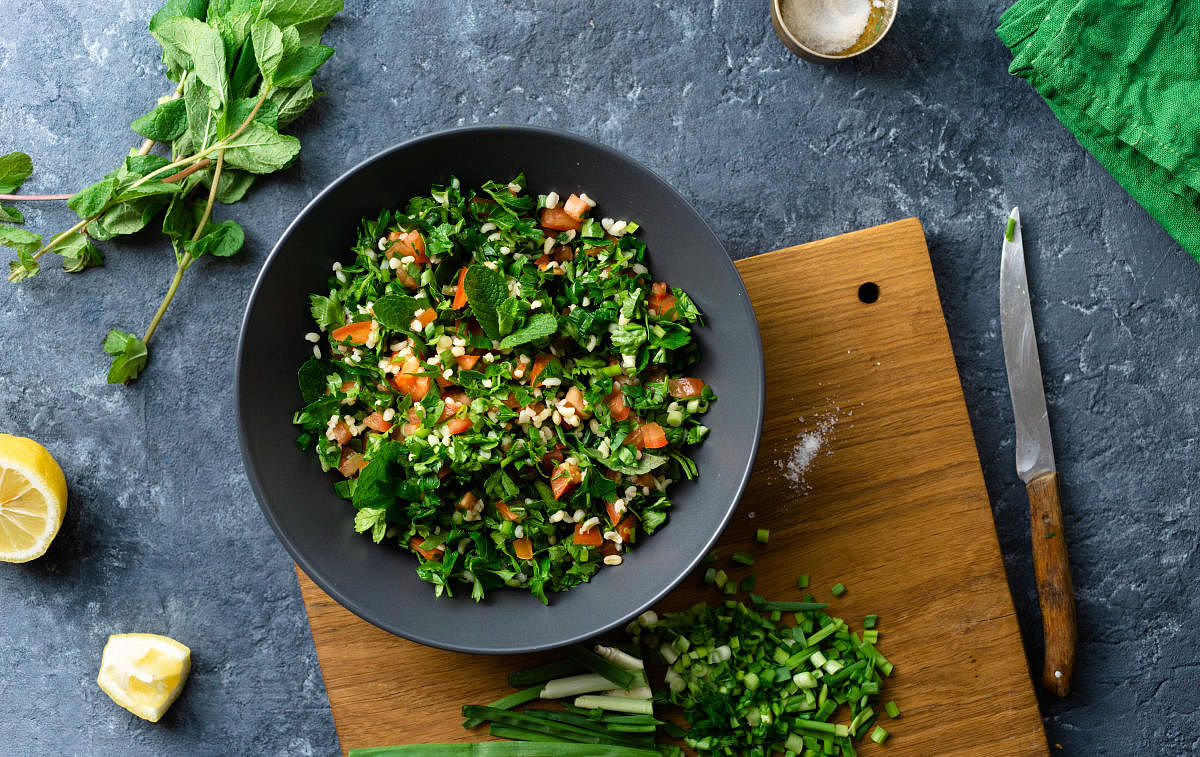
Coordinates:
<point>558,219</point>
<point>351,462</point>
<point>661,301</point>
<point>523,548</point>
<point>410,428</point>
<point>613,516</point>
<point>643,479</point>
<point>685,388</point>
<point>589,538</point>
<point>551,460</point>
<point>406,279</point>
<point>426,317</point>
<point>458,425</point>
<point>467,502</point>
<point>460,294</point>
<point>574,398</point>
<point>511,402</point>
<point>414,386</point>
<point>341,433</point>
<point>347,386</point>
<point>409,243</point>
<point>539,364</point>
<point>543,262</point>
<point>562,253</point>
<point>506,513</point>
<point>443,472</point>
<point>575,207</point>
<point>616,404</point>
<point>648,435</point>
<point>626,528</point>
<point>375,422</point>
<point>428,554</point>
<point>466,362</point>
<point>451,403</point>
<point>609,548</point>
<point>356,332</point>
<point>564,479</point>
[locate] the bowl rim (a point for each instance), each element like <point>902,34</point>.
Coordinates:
<point>256,483</point>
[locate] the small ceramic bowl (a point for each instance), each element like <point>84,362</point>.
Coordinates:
<point>878,23</point>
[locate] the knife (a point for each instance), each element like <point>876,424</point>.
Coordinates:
<point>1035,464</point>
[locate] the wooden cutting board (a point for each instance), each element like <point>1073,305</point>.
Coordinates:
<point>884,493</point>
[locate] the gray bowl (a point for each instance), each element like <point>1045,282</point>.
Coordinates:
<point>377,581</point>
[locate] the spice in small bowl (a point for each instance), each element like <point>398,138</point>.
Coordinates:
<point>826,31</point>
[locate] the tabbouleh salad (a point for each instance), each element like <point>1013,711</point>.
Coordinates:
<point>503,386</point>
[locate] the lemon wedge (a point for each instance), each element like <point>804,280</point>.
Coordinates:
<point>33,499</point>
<point>144,672</point>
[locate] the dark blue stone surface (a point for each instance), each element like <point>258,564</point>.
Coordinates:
<point>163,534</point>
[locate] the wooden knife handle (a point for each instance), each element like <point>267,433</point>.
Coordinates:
<point>1055,592</point>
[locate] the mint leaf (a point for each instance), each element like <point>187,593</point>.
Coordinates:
<point>78,254</point>
<point>311,378</point>
<point>300,63</point>
<point>177,8</point>
<point>373,519</point>
<point>90,200</point>
<point>140,165</point>
<point>395,311</point>
<point>244,77</point>
<point>202,123</point>
<point>126,217</point>
<point>539,326</point>
<point>11,215</point>
<point>20,240</point>
<point>129,356</point>
<point>189,43</point>
<point>296,12</point>
<point>239,111</point>
<point>15,168</point>
<point>219,239</point>
<point>268,48</point>
<point>234,185</point>
<point>327,312</point>
<point>261,149</point>
<point>486,291</point>
<point>292,102</point>
<point>648,462</point>
<point>506,314</point>
<point>23,267</point>
<point>181,219</point>
<point>166,122</point>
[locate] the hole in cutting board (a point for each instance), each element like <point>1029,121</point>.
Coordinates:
<point>868,292</point>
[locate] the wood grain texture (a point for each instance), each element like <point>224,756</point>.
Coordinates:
<point>893,505</point>
<point>1055,592</point>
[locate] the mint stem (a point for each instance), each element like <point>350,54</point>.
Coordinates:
<point>33,198</point>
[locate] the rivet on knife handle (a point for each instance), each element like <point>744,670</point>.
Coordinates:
<point>1055,592</point>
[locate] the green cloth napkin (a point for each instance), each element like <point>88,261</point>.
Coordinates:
<point>1124,77</point>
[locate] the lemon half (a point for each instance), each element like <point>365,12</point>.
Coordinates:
<point>144,672</point>
<point>33,499</point>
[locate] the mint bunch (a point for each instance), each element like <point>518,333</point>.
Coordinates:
<point>244,71</point>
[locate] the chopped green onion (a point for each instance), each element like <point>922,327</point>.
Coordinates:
<point>543,673</point>
<point>584,683</point>
<point>747,583</point>
<point>870,636</point>
<point>802,581</point>
<point>587,658</point>
<point>1009,228</point>
<point>879,735</point>
<point>891,709</point>
<point>509,702</point>
<point>742,558</point>
<point>762,535</point>
<point>762,604</point>
<point>617,704</point>
<point>838,590</point>
<point>710,576</point>
<point>870,621</point>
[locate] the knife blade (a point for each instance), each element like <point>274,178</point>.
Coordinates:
<point>1035,463</point>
